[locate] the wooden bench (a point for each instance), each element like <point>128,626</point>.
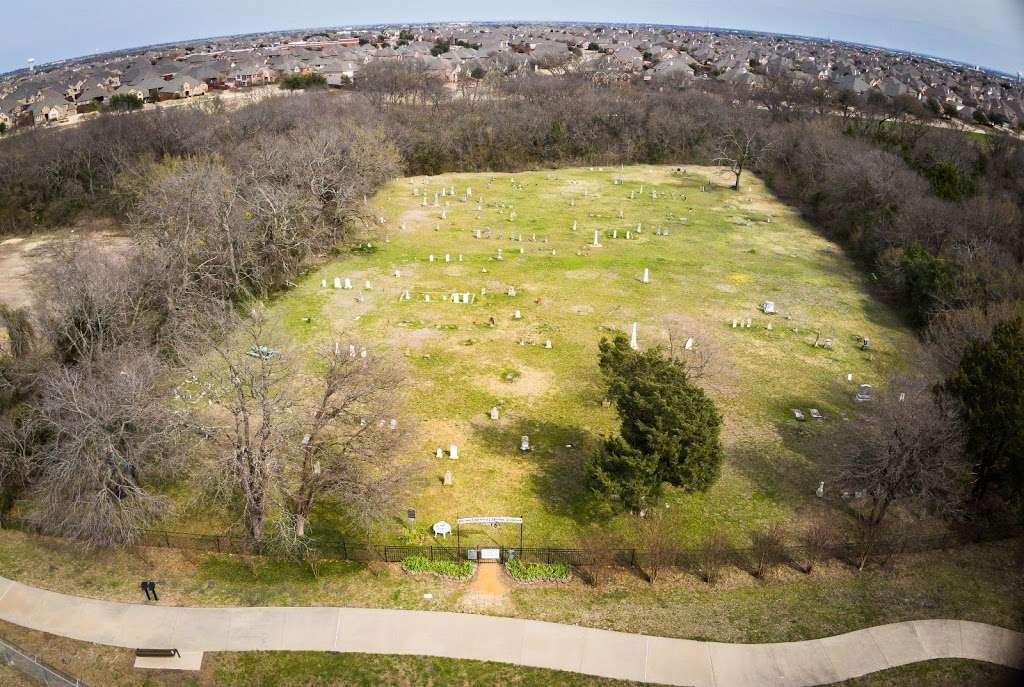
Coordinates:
<point>157,653</point>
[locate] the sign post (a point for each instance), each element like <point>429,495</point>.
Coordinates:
<point>493,520</point>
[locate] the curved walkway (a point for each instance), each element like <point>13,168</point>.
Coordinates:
<point>508,640</point>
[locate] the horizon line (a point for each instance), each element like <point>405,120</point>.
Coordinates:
<point>504,22</point>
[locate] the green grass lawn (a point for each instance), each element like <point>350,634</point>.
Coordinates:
<point>726,253</point>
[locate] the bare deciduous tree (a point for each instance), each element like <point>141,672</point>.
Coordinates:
<point>715,552</point>
<point>280,449</point>
<point>352,433</point>
<point>767,547</point>
<point>817,542</point>
<point>658,542</point>
<point>741,144</point>
<point>904,446</point>
<point>701,359</point>
<point>250,384</point>
<point>107,429</point>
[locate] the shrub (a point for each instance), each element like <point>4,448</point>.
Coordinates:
<point>536,572</point>
<point>125,102</point>
<point>715,552</point>
<point>297,82</point>
<point>767,549</point>
<point>422,564</point>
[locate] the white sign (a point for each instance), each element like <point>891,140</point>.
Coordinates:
<point>490,520</point>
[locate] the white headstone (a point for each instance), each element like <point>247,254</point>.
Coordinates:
<point>632,338</point>
<point>494,413</point>
<point>453,452</point>
<point>688,346</point>
<point>647,276</point>
<point>323,283</point>
<point>337,282</point>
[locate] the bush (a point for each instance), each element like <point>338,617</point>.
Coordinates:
<point>536,572</point>
<point>298,82</point>
<point>767,549</point>
<point>125,102</point>
<point>422,564</point>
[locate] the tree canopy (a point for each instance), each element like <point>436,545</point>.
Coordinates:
<point>989,385</point>
<point>669,431</point>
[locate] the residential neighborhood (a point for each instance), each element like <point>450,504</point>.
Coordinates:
<point>459,52</point>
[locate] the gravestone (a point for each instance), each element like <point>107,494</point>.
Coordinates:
<point>323,283</point>
<point>688,346</point>
<point>439,453</point>
<point>827,345</point>
<point>646,279</point>
<point>863,393</point>
<point>337,282</point>
<point>632,338</point>
<point>547,344</point>
<point>448,479</point>
<point>494,413</point>
<point>453,452</point>
<point>524,443</point>
<point>517,315</point>
<point>820,491</point>
<point>798,414</point>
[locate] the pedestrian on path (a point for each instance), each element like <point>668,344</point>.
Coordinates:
<point>145,588</point>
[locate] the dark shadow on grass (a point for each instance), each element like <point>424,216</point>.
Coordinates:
<point>792,475</point>
<point>561,480</point>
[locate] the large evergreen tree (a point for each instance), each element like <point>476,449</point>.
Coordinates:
<point>669,430</point>
<point>990,387</point>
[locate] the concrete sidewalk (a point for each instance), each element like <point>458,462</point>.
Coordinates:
<point>509,640</point>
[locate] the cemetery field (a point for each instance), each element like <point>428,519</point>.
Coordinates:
<point>713,255</point>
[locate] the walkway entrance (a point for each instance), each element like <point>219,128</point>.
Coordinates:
<point>489,579</point>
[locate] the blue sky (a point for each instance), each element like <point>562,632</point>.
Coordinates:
<point>985,32</point>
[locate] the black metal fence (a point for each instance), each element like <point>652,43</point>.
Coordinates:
<point>872,547</point>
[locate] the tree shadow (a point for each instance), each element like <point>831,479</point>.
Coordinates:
<point>561,453</point>
<point>790,473</point>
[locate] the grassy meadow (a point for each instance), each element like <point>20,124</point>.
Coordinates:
<point>714,256</point>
